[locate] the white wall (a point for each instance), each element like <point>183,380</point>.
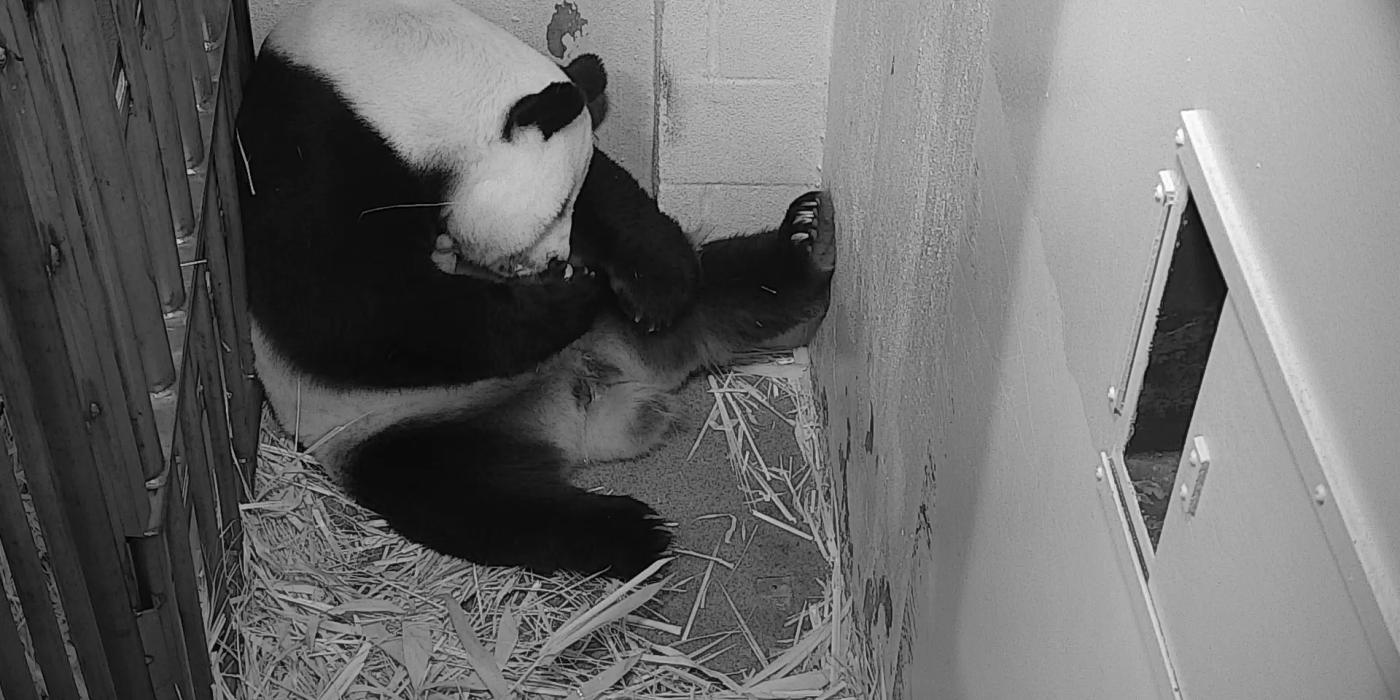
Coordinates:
<point>992,165</point>
<point>742,108</point>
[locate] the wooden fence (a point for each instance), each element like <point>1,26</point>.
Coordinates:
<point>128,412</point>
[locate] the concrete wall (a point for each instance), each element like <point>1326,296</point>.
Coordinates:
<point>741,107</point>
<point>992,166</point>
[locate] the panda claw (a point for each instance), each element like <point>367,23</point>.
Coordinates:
<point>800,237</point>
<point>568,271</point>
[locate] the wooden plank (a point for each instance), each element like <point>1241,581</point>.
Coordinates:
<point>165,16</point>
<point>238,51</point>
<point>15,681</point>
<point>31,586</point>
<point>182,567</point>
<point>117,239</point>
<point>230,579</point>
<point>161,634</point>
<point>63,208</point>
<point>194,41</point>
<point>79,492</point>
<point>15,536</point>
<point>203,493</point>
<point>105,416</point>
<point>69,42</point>
<point>223,369</point>
<point>25,415</point>
<point>65,555</point>
<point>165,108</point>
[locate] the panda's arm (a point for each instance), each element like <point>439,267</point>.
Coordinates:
<point>466,329</point>
<point>397,328</point>
<point>618,228</point>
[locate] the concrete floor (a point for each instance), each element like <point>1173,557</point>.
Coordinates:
<point>776,573</point>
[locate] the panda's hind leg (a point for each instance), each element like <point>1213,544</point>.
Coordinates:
<point>765,291</point>
<point>498,497</point>
<point>626,419</point>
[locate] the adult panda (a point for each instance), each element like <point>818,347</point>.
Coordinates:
<point>379,136</point>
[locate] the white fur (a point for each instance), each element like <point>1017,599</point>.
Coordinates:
<point>328,420</point>
<point>437,81</point>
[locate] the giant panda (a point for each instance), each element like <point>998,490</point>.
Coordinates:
<point>455,297</point>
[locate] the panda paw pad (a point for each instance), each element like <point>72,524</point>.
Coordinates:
<point>807,219</point>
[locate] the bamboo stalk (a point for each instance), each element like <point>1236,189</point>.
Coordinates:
<point>31,586</point>
<point>162,633</point>
<point>239,51</point>
<point>71,43</point>
<point>245,406</point>
<point>203,492</point>
<point>202,419</point>
<point>30,435</point>
<point>182,567</point>
<point>15,682</point>
<point>179,79</point>
<point>63,208</point>
<point>159,67</point>
<point>155,240</point>
<point>194,41</point>
<point>230,375</point>
<point>54,441</point>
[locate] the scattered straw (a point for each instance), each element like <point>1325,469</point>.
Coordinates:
<point>337,606</point>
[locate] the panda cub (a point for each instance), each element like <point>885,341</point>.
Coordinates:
<point>456,297</point>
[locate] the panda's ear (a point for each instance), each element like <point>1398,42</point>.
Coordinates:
<point>550,109</point>
<point>588,74</point>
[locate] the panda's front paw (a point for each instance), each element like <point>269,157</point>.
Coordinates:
<point>444,255</point>
<point>655,291</point>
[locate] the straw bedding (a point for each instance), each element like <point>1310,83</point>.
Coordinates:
<point>336,606</point>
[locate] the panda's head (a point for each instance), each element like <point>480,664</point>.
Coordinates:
<point>513,209</point>
<point>508,130</point>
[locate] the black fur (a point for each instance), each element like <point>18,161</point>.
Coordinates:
<point>499,499</point>
<point>650,262</point>
<point>755,292</point>
<point>350,295</point>
<point>588,74</point>
<point>479,487</point>
<point>350,290</point>
<point>550,109</point>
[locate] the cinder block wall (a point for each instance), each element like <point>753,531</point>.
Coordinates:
<point>741,108</point>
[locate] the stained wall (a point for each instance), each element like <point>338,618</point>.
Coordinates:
<point>992,165</point>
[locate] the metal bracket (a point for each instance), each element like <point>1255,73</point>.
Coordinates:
<point>1199,459</point>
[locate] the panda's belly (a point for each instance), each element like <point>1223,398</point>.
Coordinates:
<point>327,421</point>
